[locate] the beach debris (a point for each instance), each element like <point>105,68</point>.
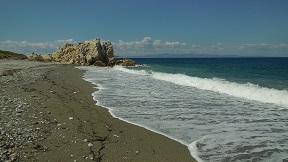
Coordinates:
<point>99,138</point>
<point>109,129</point>
<point>91,157</point>
<point>85,156</point>
<point>70,118</point>
<point>90,145</point>
<point>137,152</point>
<point>85,140</point>
<point>19,111</point>
<point>37,122</point>
<point>40,147</point>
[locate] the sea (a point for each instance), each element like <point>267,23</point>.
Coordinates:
<point>222,109</point>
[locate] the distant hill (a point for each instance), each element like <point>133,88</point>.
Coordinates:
<point>11,55</point>
<point>168,55</point>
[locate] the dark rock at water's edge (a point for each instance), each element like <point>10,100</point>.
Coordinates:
<point>11,55</point>
<point>126,62</point>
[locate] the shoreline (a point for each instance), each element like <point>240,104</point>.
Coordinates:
<point>190,146</point>
<point>60,118</point>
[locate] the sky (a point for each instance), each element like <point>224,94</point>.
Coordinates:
<point>141,27</point>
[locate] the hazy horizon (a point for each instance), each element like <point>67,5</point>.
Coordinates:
<point>250,28</point>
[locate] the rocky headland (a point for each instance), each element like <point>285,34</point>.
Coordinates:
<point>92,52</point>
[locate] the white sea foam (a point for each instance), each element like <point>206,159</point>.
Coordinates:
<point>138,72</point>
<point>194,151</point>
<point>215,127</point>
<point>248,91</point>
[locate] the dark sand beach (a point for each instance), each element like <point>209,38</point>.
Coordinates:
<point>48,114</point>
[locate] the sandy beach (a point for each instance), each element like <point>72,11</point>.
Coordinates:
<point>48,114</point>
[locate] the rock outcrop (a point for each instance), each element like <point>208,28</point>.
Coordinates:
<point>35,57</point>
<point>126,62</point>
<point>39,57</point>
<point>91,52</point>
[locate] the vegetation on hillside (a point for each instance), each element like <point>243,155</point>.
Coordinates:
<point>11,55</point>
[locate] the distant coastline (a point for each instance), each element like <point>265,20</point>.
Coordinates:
<point>169,55</point>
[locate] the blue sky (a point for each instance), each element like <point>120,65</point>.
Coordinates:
<point>138,27</point>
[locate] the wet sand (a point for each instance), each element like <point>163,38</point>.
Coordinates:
<point>48,114</point>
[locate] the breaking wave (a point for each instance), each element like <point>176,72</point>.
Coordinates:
<point>248,91</point>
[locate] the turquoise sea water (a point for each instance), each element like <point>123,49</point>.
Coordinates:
<point>223,109</point>
<point>266,72</point>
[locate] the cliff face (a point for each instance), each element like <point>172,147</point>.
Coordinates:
<point>91,52</point>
